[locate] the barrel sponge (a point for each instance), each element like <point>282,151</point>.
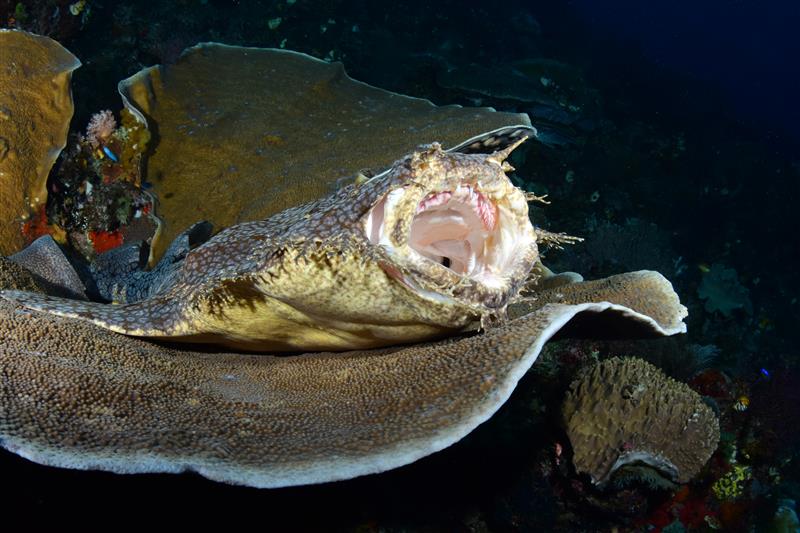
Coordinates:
<point>625,410</point>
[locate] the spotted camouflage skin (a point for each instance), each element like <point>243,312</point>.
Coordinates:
<point>309,278</point>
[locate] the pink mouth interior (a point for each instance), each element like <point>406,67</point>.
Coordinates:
<point>483,207</point>
<point>452,227</point>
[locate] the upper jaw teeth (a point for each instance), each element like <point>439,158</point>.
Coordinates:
<point>433,200</point>
<point>484,207</point>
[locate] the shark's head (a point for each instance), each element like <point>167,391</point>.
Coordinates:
<point>453,228</point>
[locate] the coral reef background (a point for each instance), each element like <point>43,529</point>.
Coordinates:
<point>652,159</point>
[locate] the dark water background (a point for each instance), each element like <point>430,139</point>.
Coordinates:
<point>745,49</point>
<point>685,156</point>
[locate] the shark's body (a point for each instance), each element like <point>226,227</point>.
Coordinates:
<point>430,246</point>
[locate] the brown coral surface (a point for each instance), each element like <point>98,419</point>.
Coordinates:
<point>625,410</point>
<point>13,276</point>
<point>35,110</point>
<point>78,396</point>
<point>244,133</point>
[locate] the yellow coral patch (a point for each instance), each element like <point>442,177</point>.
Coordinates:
<point>35,110</point>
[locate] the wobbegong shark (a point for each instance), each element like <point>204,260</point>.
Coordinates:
<point>438,241</point>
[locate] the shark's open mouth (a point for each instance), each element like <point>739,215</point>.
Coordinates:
<point>472,233</point>
<point>460,230</point>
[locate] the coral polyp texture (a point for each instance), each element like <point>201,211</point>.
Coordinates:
<point>625,410</point>
<point>35,110</point>
<point>78,396</point>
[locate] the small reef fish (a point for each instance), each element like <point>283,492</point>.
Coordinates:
<point>111,155</point>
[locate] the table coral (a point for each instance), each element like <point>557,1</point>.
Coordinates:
<point>78,396</point>
<point>242,132</point>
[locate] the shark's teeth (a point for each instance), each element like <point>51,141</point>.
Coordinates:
<point>483,206</point>
<point>433,200</point>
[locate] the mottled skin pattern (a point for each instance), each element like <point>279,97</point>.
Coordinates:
<point>309,278</point>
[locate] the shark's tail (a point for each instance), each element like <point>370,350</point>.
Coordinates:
<point>160,316</point>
